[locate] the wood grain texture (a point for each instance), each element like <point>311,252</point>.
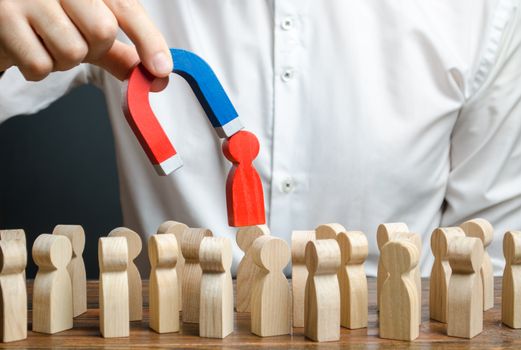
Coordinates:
<point>85,333</point>
<point>244,193</point>
<point>113,287</point>
<point>191,280</point>
<point>417,241</point>
<point>164,287</point>
<point>328,231</point>
<point>135,289</point>
<point>299,273</point>
<point>176,228</point>
<point>354,249</point>
<point>441,271</point>
<point>76,266</point>
<point>511,291</point>
<point>465,301</point>
<point>482,229</point>
<point>384,234</point>
<point>216,301</point>
<point>247,270</point>
<point>322,294</point>
<point>6,235</point>
<point>52,295</point>
<point>271,299</point>
<point>13,303</point>
<point>399,300</point>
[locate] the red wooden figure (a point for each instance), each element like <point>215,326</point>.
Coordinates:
<point>244,194</point>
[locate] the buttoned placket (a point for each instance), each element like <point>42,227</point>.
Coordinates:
<point>287,24</point>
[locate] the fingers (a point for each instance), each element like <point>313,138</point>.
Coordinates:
<point>119,60</point>
<point>96,23</point>
<point>150,44</point>
<point>60,36</point>
<point>22,47</point>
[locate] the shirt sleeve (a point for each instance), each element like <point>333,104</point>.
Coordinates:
<point>18,96</point>
<point>485,175</point>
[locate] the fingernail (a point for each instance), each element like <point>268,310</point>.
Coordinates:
<point>161,63</point>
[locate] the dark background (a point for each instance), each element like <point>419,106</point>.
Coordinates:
<point>58,167</point>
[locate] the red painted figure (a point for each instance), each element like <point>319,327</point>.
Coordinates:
<point>244,195</point>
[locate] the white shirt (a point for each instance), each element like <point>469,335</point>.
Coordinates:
<point>367,111</point>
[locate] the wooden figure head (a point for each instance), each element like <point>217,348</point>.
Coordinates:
<point>299,239</point>
<point>354,247</point>
<point>162,251</point>
<point>270,253</point>
<point>400,256</point>
<point>113,254</point>
<point>191,242</point>
<point>328,231</point>
<point>322,257</point>
<point>465,255</point>
<point>52,252</point>
<point>12,234</point>
<point>177,228</point>
<point>246,235</point>
<point>215,254</point>
<point>133,240</point>
<point>75,234</point>
<point>479,228</point>
<point>440,239</point>
<point>385,232</point>
<point>13,256</point>
<point>512,247</point>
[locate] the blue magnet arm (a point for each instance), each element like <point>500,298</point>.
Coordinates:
<point>208,90</point>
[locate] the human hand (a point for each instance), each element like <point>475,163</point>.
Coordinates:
<point>42,36</point>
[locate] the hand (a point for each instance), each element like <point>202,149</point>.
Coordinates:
<point>42,36</point>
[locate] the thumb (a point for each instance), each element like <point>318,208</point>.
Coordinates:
<point>120,60</point>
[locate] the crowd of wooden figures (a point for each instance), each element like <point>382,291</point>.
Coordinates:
<point>190,271</point>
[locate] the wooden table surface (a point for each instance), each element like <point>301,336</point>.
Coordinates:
<point>85,333</point>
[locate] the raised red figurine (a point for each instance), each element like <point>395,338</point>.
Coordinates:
<point>244,194</point>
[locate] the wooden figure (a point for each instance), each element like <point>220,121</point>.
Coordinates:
<point>417,241</point>
<point>191,280</point>
<point>146,127</point>
<point>113,287</point>
<point>322,296</point>
<point>76,267</point>
<point>270,303</point>
<point>216,303</point>
<point>482,229</point>
<point>299,273</point>
<point>135,288</point>
<point>13,303</point>
<point>354,249</point>
<point>163,287</point>
<point>176,228</point>
<point>6,235</point>
<point>441,271</point>
<point>399,299</point>
<point>511,291</point>
<point>465,298</point>
<point>329,231</point>
<point>244,194</point>
<point>247,270</point>
<point>384,234</point>
<point>52,289</point>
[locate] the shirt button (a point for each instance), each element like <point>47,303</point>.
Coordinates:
<point>288,185</point>
<point>287,23</point>
<point>287,75</point>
